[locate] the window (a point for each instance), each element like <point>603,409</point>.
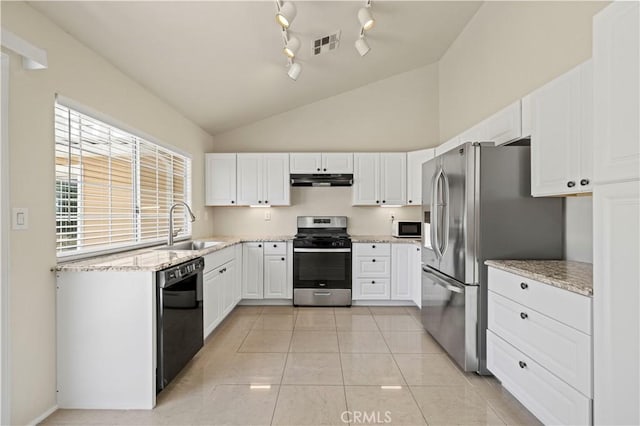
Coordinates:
<point>114,189</point>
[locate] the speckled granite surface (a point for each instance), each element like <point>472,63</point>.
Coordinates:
<point>149,259</point>
<point>568,275</point>
<point>383,239</point>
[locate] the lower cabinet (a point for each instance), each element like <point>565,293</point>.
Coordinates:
<point>275,277</point>
<point>252,271</point>
<point>220,287</point>
<point>267,270</point>
<point>405,273</point>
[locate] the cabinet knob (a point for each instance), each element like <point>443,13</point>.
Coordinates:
<point>233,202</point>
<point>410,201</point>
<point>522,364</point>
<point>417,248</point>
<point>373,282</point>
<point>524,315</point>
<point>373,260</point>
<point>384,201</point>
<point>377,201</point>
<point>584,182</point>
<point>318,169</point>
<point>259,245</point>
<point>282,258</point>
<point>266,201</point>
<point>259,202</point>
<point>324,170</point>
<point>373,246</point>
<point>275,245</point>
<point>524,286</point>
<point>571,184</point>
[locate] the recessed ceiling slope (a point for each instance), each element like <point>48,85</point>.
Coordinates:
<point>220,63</point>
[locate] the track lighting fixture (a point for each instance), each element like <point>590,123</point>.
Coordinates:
<point>362,46</point>
<point>365,17</point>
<point>291,46</point>
<point>294,70</point>
<point>286,13</point>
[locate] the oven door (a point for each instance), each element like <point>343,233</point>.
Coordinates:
<point>322,268</point>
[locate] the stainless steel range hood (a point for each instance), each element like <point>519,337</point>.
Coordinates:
<point>321,180</point>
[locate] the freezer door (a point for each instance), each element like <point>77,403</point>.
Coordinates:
<point>449,314</point>
<point>429,170</point>
<point>457,233</point>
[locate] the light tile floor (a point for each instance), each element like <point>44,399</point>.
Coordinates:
<point>320,366</point>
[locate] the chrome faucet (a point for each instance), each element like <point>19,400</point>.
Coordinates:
<point>193,218</point>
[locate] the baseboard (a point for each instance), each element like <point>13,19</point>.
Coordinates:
<point>43,416</point>
<point>266,302</point>
<point>383,303</point>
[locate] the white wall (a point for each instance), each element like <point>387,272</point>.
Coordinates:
<point>80,74</point>
<point>508,49</point>
<point>399,113</point>
<point>578,216</point>
<point>309,201</point>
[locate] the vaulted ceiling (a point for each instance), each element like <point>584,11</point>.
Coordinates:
<point>221,64</point>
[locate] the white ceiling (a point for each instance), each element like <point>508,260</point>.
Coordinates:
<point>221,64</point>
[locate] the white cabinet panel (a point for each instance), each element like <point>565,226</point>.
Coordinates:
<point>237,285</point>
<point>252,271</point>
<point>448,145</point>
<point>504,126</point>
<point>273,248</point>
<point>263,179</point>
<point>305,163</point>
<point>250,175</point>
<point>337,162</point>
<point>373,249</point>
<point>275,277</point>
<point>369,266</point>
<point>393,178</point>
<point>228,289</point>
<point>616,274</point>
<point>212,287</point>
<point>415,159</point>
<point>371,289</point>
<point>416,275</point>
<point>561,136</point>
<point>366,179</point>
<point>616,58</point>
<point>220,179</point>
<point>276,179</point>
<point>401,271</point>
<point>526,116</point>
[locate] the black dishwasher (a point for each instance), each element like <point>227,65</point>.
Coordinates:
<point>179,318</point>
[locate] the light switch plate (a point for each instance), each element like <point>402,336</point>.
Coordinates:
<point>267,215</point>
<point>20,218</point>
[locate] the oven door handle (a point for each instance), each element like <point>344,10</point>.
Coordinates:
<point>316,250</point>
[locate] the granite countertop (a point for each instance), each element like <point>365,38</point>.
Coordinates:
<point>383,239</point>
<point>151,259</point>
<point>569,275</point>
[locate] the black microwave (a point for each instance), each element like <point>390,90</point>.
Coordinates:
<point>407,229</point>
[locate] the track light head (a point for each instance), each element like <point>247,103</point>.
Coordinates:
<point>362,46</point>
<point>286,14</point>
<point>294,71</point>
<point>366,18</point>
<point>292,46</point>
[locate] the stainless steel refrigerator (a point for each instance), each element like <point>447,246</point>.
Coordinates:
<point>477,205</point>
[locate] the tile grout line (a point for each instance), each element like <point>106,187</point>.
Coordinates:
<point>284,368</point>
<point>344,386</point>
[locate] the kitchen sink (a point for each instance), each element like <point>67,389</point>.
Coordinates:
<point>190,245</point>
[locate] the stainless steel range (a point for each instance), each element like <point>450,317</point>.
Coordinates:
<point>322,262</point>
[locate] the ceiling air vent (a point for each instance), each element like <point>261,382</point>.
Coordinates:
<point>326,43</point>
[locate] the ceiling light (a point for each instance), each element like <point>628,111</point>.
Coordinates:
<point>292,46</point>
<point>294,71</point>
<point>366,18</point>
<point>362,46</point>
<point>286,14</point>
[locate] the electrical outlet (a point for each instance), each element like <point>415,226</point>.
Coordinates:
<point>267,215</point>
<point>20,218</point>
<point>392,218</point>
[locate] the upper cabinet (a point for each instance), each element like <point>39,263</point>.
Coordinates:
<point>321,163</point>
<point>415,159</point>
<point>263,179</point>
<point>504,126</point>
<point>220,179</point>
<point>380,179</point>
<point>562,134</point>
<point>616,48</point>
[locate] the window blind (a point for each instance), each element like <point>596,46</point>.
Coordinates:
<point>114,189</point>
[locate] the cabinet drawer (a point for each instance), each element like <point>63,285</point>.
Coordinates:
<point>372,289</point>
<point>373,249</point>
<point>559,348</point>
<point>373,267</point>
<point>569,308</point>
<point>547,397</point>
<point>218,258</point>
<point>275,248</point>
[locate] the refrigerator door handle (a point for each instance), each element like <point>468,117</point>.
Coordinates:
<point>434,215</point>
<point>443,283</point>
<point>445,212</point>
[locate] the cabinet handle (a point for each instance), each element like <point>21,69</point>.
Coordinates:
<point>417,248</point>
<point>373,260</point>
<point>266,201</point>
<point>410,201</point>
<point>282,258</point>
<point>373,246</point>
<point>377,201</point>
<point>584,182</point>
<point>524,315</point>
<point>571,184</point>
<point>524,286</point>
<point>233,202</point>
<point>259,245</point>
<point>318,169</point>
<point>275,245</point>
<point>384,201</point>
<point>324,170</point>
<point>373,282</point>
<point>522,364</point>
<point>259,202</point>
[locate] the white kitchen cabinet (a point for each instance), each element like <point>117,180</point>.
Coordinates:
<point>220,179</point>
<point>616,58</point>
<point>237,285</point>
<point>401,272</point>
<point>371,271</point>
<point>380,179</point>
<point>415,159</point>
<point>275,276</point>
<point>448,145</point>
<point>616,274</point>
<point>229,288</point>
<point>253,271</point>
<point>525,116</point>
<point>321,163</point>
<point>212,294</point>
<point>504,126</point>
<point>562,134</point>
<point>416,275</point>
<point>263,179</point>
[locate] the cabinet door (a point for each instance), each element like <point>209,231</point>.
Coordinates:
<point>616,318</point>
<point>525,116</point>
<point>220,179</point>
<point>372,267</point>
<point>366,179</point>
<point>304,163</point>
<point>237,283</point>
<point>448,145</point>
<point>275,277</point>
<point>371,289</point>
<point>211,306</point>
<point>337,162</point>
<point>414,174</point>
<point>252,271</point>
<point>250,179</point>
<point>228,284</point>
<point>555,143</point>
<point>276,179</point>
<point>401,276</point>
<point>416,275</point>
<point>393,178</point>
<point>616,58</point>
<point>504,126</point>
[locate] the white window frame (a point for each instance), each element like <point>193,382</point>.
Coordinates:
<point>4,245</point>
